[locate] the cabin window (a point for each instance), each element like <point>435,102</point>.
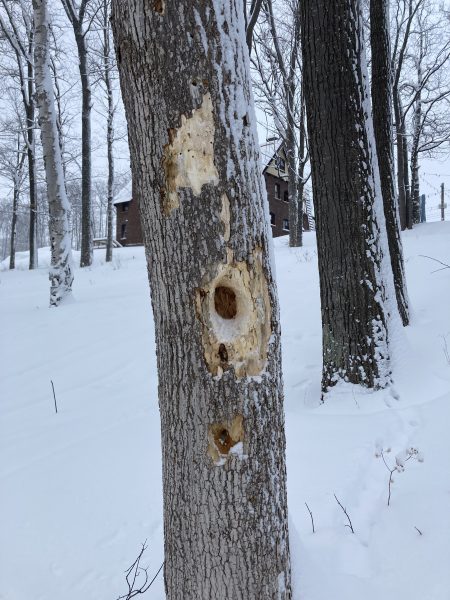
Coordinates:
<point>281,164</point>
<point>286,196</point>
<point>123,230</point>
<point>125,206</point>
<point>272,219</point>
<point>277,191</point>
<point>285,224</point>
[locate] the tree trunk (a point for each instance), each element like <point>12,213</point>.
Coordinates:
<point>415,186</point>
<point>86,255</point>
<point>12,243</point>
<point>302,159</point>
<point>110,133</point>
<point>194,154</point>
<point>400,157</point>
<point>354,268</point>
<point>408,198</point>
<point>382,121</point>
<point>61,276</point>
<point>31,153</point>
<point>295,224</point>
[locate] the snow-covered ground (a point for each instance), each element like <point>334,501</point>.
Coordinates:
<point>80,490</point>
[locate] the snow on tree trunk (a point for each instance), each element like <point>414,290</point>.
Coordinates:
<point>382,118</point>
<point>61,276</point>
<point>355,273</point>
<point>184,74</point>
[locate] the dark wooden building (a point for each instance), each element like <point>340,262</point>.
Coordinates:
<point>276,178</point>
<point>128,226</point>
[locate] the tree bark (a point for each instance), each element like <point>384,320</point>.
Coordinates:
<point>76,17</point>
<point>17,176</point>
<point>184,74</point>
<point>61,276</point>
<point>86,255</point>
<point>354,267</point>
<point>382,121</point>
<point>110,131</point>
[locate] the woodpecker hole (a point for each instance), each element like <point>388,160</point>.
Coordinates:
<point>223,353</point>
<point>225,302</point>
<point>159,6</point>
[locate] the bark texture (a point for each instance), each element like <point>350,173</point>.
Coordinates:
<point>107,67</point>
<point>61,276</point>
<point>77,16</point>
<point>382,121</point>
<point>185,82</point>
<point>352,247</point>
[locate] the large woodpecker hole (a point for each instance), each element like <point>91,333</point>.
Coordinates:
<point>225,302</point>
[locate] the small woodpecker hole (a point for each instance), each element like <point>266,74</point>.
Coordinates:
<point>159,6</point>
<point>225,302</point>
<point>223,441</point>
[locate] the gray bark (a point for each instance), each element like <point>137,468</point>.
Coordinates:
<point>110,130</point>
<point>354,269</point>
<point>382,119</point>
<point>185,82</point>
<point>17,178</point>
<point>76,17</point>
<point>61,276</point>
<point>417,126</point>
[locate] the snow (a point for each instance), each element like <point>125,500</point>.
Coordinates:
<point>81,489</point>
<point>125,194</point>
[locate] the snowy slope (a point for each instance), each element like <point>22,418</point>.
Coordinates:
<point>80,490</point>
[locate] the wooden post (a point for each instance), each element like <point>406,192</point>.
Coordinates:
<point>442,203</point>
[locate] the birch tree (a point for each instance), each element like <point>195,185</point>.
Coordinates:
<point>16,24</point>
<point>61,276</point>
<point>382,117</point>
<point>184,74</point>
<point>354,268</point>
<point>77,15</point>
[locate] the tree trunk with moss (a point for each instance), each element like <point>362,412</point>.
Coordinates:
<point>354,266</point>
<point>185,81</point>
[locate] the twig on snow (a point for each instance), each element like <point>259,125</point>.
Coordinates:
<point>54,396</point>
<point>445,265</point>
<point>311,515</point>
<point>346,514</point>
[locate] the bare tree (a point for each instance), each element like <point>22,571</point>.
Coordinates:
<point>194,153</point>
<point>12,158</point>
<point>61,275</point>
<point>77,14</point>
<point>16,24</point>
<point>382,117</point>
<point>355,273</point>
<point>106,71</point>
<point>252,9</point>
<point>428,96</point>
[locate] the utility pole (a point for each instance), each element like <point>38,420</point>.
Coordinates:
<point>442,203</point>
